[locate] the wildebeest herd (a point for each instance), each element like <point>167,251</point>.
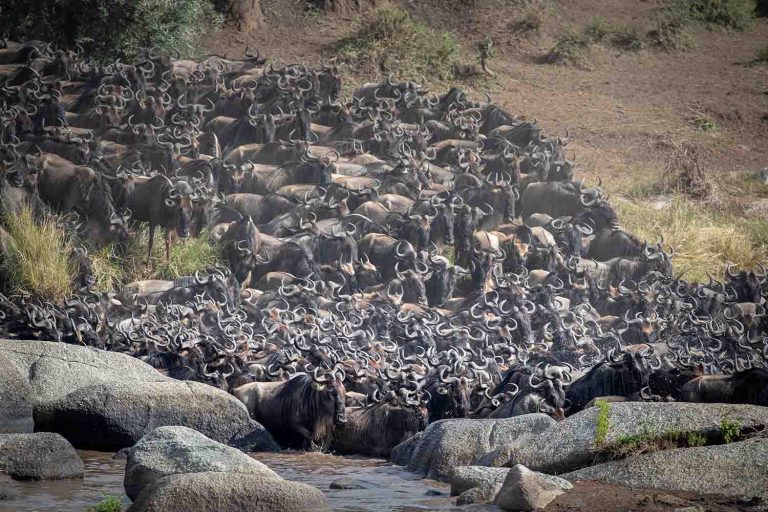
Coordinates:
<point>388,260</point>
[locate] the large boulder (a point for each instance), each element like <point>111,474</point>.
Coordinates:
<point>571,444</point>
<point>106,400</point>
<point>737,469</point>
<point>41,456</point>
<point>233,492</point>
<point>447,444</point>
<point>464,478</point>
<point>172,450</point>
<point>15,400</point>
<point>526,490</point>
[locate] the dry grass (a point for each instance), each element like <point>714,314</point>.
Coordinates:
<point>685,170</point>
<point>187,256</point>
<point>704,240</point>
<point>37,261</point>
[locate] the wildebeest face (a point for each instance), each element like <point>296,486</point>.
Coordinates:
<point>184,217</point>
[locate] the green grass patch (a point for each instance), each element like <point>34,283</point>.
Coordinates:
<point>187,257</point>
<point>761,57</point>
<point>107,504</point>
<point>603,423</point>
<point>392,42</point>
<point>572,48</point>
<point>730,14</point>
<point>598,30</point>
<point>695,439</point>
<point>648,441</point>
<point>730,430</point>
<point>37,258</point>
<point>669,30</point>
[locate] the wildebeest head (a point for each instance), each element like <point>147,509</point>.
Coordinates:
<point>748,284</point>
<point>181,199</point>
<point>449,395</point>
<point>570,235</point>
<point>443,227</point>
<point>412,281</point>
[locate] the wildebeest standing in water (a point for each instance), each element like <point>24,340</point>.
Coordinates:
<point>301,412</point>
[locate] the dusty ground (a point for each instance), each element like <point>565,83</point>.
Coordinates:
<point>624,109</point>
<point>595,497</point>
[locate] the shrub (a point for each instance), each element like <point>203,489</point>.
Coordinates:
<point>731,14</point>
<point>669,30</point>
<point>571,48</point>
<point>730,430</point>
<point>107,504</point>
<point>37,259</point>
<point>761,57</point>
<point>598,29</point>
<point>695,439</point>
<point>685,168</point>
<point>392,42</point>
<point>110,28</point>
<point>626,37</point>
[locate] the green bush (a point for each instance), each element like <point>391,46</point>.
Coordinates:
<point>110,28</point>
<point>732,14</point>
<point>669,30</point>
<point>730,430</point>
<point>761,57</point>
<point>37,257</point>
<point>695,439</point>
<point>108,504</point>
<point>571,48</point>
<point>626,37</point>
<point>392,42</point>
<point>598,29</point>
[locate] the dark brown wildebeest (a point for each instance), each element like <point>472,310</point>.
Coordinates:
<point>301,412</point>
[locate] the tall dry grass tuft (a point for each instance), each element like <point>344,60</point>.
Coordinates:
<point>37,260</point>
<point>703,240</point>
<point>685,170</point>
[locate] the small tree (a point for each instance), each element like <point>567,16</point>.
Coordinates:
<point>111,28</point>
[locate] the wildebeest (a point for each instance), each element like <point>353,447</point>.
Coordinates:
<point>301,412</point>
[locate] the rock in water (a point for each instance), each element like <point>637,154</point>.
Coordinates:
<point>107,400</point>
<point>346,484</point>
<point>736,469</point>
<point>40,456</point>
<point>526,490</point>
<point>447,444</point>
<point>175,469</point>
<point>15,400</point>
<point>479,495</point>
<point>464,478</point>
<point>173,450</point>
<point>231,492</point>
<point>7,491</point>
<point>571,444</point>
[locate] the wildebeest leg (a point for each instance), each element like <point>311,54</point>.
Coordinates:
<point>305,433</point>
<point>151,239</point>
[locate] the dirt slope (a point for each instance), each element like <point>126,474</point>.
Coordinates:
<point>625,109</point>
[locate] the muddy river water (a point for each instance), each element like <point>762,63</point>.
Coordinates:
<point>387,487</point>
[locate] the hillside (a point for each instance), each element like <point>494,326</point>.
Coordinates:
<point>626,109</point>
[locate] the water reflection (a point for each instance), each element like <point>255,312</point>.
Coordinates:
<point>387,487</point>
<point>103,477</point>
